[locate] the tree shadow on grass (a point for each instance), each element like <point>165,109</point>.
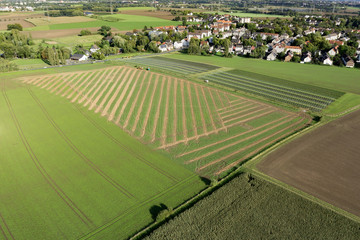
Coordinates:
<point>156,209</point>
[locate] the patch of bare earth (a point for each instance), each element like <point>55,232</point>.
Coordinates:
<point>324,163</point>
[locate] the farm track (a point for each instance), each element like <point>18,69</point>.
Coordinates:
<point>166,118</point>
<point>50,181</point>
<point>78,152</point>
<point>157,114</point>
<point>149,108</point>
<point>7,228</point>
<point>192,110</point>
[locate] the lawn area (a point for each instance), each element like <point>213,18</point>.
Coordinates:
<point>126,23</point>
<point>257,209</point>
<point>134,8</point>
<point>253,15</point>
<point>68,173</point>
<point>24,64</point>
<point>340,79</point>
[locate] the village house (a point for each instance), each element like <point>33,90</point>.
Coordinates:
<point>293,49</point>
<point>348,62</point>
<point>336,42</point>
<point>332,36</point>
<point>306,57</point>
<point>265,35</point>
<point>288,56</point>
<point>272,56</point>
<point>244,20</point>
<point>325,59</point>
<point>332,52</point>
<point>94,48</point>
<point>79,57</point>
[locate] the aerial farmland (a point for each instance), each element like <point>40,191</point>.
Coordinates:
<point>143,140</point>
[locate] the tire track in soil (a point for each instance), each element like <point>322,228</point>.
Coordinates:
<point>81,215</point>
<point>134,103</point>
<point>201,112</point>
<point>124,91</point>
<point>157,114</point>
<point>115,94</point>
<point>150,105</point>
<point>76,89</point>
<point>95,77</point>
<point>101,79</point>
<point>232,137</point>
<point>119,79</point>
<point>249,146</point>
<point>78,152</point>
<point>126,149</point>
<point>93,103</point>
<point>65,81</point>
<point>185,133</point>
<point>7,228</point>
<point>209,110</point>
<point>192,110</point>
<point>166,113</point>
<point>137,118</point>
<point>239,141</point>
<point>128,97</point>
<point>257,150</point>
<point>175,110</point>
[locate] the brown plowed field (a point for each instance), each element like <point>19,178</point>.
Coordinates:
<point>324,163</point>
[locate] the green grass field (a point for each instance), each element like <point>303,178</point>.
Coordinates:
<point>253,15</point>
<point>126,23</point>
<point>134,8</point>
<point>209,131</point>
<point>71,41</point>
<point>257,209</point>
<point>24,64</point>
<point>68,173</point>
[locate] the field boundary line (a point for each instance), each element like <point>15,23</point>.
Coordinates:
<point>200,110</point>
<point>64,84</point>
<point>50,181</point>
<point>90,79</point>
<point>175,109</point>
<point>209,110</point>
<point>192,109</point>
<point>237,107</point>
<point>85,96</point>
<point>216,112</point>
<point>184,132</point>
<point>78,152</point>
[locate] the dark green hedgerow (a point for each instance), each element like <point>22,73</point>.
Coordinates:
<point>251,208</point>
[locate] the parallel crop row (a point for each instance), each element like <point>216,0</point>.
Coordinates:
<point>281,94</point>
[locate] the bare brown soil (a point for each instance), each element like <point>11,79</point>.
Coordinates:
<point>56,33</point>
<point>17,18</point>
<point>158,14</point>
<point>166,118</point>
<point>324,163</point>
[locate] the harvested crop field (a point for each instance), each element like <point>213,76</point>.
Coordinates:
<point>324,163</point>
<point>57,33</point>
<point>149,13</point>
<point>12,18</point>
<point>208,130</point>
<point>57,20</point>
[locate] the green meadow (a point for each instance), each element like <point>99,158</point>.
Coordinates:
<point>253,15</point>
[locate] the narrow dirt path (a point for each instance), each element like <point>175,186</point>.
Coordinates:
<point>215,106</point>
<point>100,80</point>
<point>230,107</point>
<point>200,110</point>
<point>245,115</point>
<point>185,133</point>
<point>166,114</point>
<point>157,114</point>
<point>257,150</point>
<point>251,118</point>
<point>101,89</point>
<point>249,146</point>
<point>135,102</point>
<point>192,110</point>
<point>175,112</point>
<point>84,81</point>
<point>72,86</point>
<point>241,110</point>
<point>39,82</point>
<point>56,82</point>
<point>137,118</point>
<point>51,80</point>
<point>65,81</point>
<point>108,91</point>
<point>128,97</point>
<point>89,80</point>
<point>220,99</point>
<point>146,120</point>
<point>208,108</point>
<point>237,107</point>
<point>117,91</point>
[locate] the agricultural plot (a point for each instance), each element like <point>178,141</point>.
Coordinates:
<point>66,173</point>
<point>208,130</point>
<point>174,65</point>
<point>315,100</point>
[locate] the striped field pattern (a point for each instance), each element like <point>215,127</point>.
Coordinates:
<point>209,130</point>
